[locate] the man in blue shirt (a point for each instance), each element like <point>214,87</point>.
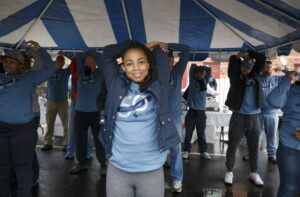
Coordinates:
<point>268,117</point>
<point>176,75</point>
<point>244,101</point>
<point>196,117</point>
<point>89,86</point>
<point>57,102</point>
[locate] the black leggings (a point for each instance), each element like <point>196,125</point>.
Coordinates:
<point>17,144</point>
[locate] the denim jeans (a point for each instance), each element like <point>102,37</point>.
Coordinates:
<point>71,146</point>
<point>175,153</point>
<point>195,118</point>
<point>269,122</point>
<point>289,171</point>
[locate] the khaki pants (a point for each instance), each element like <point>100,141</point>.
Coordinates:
<point>52,109</point>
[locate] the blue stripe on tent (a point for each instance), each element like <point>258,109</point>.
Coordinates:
<point>136,20</point>
<point>284,50</point>
<point>196,26</point>
<point>117,19</point>
<point>198,56</point>
<point>60,24</point>
<point>22,17</point>
<point>271,13</point>
<point>245,28</point>
<point>287,9</point>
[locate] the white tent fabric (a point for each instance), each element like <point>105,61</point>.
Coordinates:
<point>205,25</point>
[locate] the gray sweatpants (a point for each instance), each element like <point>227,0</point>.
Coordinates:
<point>239,126</point>
<point>142,184</point>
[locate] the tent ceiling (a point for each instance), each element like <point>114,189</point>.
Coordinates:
<point>205,25</point>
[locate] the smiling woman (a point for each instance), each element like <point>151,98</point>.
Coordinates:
<point>135,65</point>
<point>138,127</point>
<point>138,64</point>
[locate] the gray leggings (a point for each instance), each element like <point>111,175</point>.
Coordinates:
<point>142,184</point>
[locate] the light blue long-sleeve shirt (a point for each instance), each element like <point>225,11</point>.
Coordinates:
<point>88,87</point>
<point>57,85</point>
<point>287,97</point>
<point>267,84</point>
<point>16,91</point>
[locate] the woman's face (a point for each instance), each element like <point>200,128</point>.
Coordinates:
<point>135,65</point>
<point>11,66</point>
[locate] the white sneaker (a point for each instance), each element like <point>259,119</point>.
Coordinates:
<point>228,178</point>
<point>177,186</point>
<point>256,179</point>
<point>185,155</point>
<point>206,156</point>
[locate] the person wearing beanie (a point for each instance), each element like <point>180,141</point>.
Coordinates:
<point>244,100</point>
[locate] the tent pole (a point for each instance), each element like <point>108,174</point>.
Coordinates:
<point>34,23</point>
<point>278,11</point>
<point>126,19</point>
<point>226,25</point>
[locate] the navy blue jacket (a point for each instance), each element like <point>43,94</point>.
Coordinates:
<point>117,86</point>
<point>236,93</point>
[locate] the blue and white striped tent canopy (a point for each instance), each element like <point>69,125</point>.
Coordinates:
<point>205,25</point>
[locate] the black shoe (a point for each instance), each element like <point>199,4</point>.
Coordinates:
<point>64,148</point>
<point>246,157</point>
<point>35,184</point>
<point>103,170</point>
<point>272,160</point>
<point>69,157</point>
<point>78,168</point>
<point>167,165</point>
<point>46,147</point>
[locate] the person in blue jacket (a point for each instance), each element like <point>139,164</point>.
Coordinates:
<point>138,128</point>
<point>196,117</point>
<point>176,75</point>
<point>286,97</point>
<point>18,134</point>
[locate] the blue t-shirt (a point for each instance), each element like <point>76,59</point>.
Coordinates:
<point>249,106</point>
<point>88,89</point>
<point>16,92</point>
<point>135,146</point>
<point>57,85</point>
<point>267,84</point>
<point>196,96</point>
